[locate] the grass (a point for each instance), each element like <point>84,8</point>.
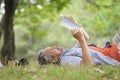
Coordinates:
<point>55,72</point>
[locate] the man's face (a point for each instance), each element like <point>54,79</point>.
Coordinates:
<point>54,52</point>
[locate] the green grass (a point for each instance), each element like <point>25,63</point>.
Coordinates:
<point>55,72</point>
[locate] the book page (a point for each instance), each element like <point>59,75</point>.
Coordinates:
<point>68,23</point>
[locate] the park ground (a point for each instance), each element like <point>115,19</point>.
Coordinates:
<point>56,72</point>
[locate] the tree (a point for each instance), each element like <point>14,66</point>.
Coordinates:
<point>8,49</point>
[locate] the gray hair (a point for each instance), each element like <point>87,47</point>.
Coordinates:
<point>44,59</point>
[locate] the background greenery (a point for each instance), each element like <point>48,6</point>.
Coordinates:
<point>100,18</point>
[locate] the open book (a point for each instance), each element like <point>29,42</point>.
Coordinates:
<point>68,23</point>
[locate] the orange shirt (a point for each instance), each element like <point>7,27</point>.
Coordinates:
<point>109,51</point>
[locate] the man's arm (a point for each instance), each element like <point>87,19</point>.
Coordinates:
<point>85,34</point>
<point>87,57</point>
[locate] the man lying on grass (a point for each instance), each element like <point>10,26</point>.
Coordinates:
<point>82,53</point>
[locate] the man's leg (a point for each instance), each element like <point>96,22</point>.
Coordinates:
<point>116,40</point>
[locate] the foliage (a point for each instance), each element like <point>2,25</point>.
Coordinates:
<point>96,16</point>
<point>54,72</point>
<point>106,15</point>
<point>32,12</point>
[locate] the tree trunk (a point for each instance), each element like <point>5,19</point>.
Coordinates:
<point>8,48</point>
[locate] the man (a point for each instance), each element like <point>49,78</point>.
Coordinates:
<point>81,54</point>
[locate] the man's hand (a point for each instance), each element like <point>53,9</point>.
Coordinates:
<point>78,34</point>
<point>72,18</point>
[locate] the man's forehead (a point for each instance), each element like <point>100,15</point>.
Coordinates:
<point>48,52</point>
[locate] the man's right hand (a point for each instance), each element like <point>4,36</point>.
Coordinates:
<point>77,34</point>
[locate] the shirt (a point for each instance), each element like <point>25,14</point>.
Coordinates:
<point>73,57</point>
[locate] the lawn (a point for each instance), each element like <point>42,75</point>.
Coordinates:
<point>55,72</point>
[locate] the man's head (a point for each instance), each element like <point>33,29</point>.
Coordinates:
<point>50,55</point>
